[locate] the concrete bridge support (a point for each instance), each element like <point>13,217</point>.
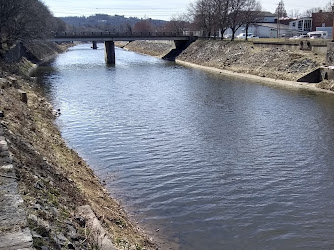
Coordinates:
<point>109,52</point>
<point>94,45</point>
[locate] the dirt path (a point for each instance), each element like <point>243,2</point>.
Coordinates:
<point>14,233</point>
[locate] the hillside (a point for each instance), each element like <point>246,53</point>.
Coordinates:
<point>106,22</point>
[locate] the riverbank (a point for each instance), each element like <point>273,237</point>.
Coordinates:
<point>259,79</point>
<point>66,204</point>
<point>276,65</point>
<point>152,48</point>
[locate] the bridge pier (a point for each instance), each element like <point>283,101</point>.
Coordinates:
<point>109,47</point>
<point>94,45</point>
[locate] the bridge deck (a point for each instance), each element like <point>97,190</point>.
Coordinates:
<point>109,36</point>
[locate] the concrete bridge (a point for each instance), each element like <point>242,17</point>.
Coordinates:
<point>181,41</point>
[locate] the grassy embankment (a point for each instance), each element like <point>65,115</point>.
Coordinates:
<point>53,180</point>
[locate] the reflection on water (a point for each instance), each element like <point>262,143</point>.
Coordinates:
<point>213,162</point>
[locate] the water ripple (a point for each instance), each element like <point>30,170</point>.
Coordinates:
<point>214,162</point>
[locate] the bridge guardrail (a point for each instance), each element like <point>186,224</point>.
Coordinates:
<point>116,34</point>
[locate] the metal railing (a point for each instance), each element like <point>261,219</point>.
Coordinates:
<point>116,34</point>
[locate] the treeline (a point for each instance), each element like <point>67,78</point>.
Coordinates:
<point>24,20</point>
<point>117,23</point>
<point>213,16</point>
<point>104,22</point>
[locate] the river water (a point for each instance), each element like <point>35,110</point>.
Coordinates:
<point>211,161</point>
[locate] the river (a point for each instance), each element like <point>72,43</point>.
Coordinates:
<point>203,160</point>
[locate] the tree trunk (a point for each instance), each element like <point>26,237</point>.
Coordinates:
<point>247,26</point>
<point>233,34</point>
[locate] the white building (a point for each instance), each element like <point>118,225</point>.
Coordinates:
<point>262,30</point>
<point>302,25</point>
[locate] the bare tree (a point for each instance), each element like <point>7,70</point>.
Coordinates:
<point>251,14</point>
<point>295,14</point>
<point>308,13</point>
<point>24,20</point>
<point>222,14</point>
<point>128,28</point>
<point>213,15</point>
<point>177,24</point>
<point>203,12</point>
<point>326,8</point>
<point>143,25</point>
<point>236,16</point>
<point>280,10</point>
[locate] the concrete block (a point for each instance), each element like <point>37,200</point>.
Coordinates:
<point>23,96</point>
<point>305,45</point>
<point>16,240</point>
<point>327,73</point>
<point>330,54</point>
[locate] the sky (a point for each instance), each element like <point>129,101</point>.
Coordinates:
<point>157,9</point>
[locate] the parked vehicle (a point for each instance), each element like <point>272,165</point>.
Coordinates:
<point>249,36</point>
<point>317,35</point>
<point>300,37</point>
<point>253,37</point>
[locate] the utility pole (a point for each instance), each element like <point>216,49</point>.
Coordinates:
<point>278,16</point>
<point>333,24</point>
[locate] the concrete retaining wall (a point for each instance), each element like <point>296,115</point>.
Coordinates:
<point>316,46</point>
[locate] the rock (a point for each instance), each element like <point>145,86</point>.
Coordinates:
<point>35,235</point>
<point>44,248</point>
<point>70,246</point>
<point>61,239</point>
<point>72,233</point>
<point>93,224</point>
<point>54,211</point>
<point>37,206</point>
<point>71,229</point>
<point>81,220</point>
<point>38,185</point>
<point>33,217</point>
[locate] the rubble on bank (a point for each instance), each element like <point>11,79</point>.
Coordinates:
<point>244,57</point>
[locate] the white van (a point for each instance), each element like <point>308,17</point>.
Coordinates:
<point>317,35</point>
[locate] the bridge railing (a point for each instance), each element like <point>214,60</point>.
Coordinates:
<point>116,34</point>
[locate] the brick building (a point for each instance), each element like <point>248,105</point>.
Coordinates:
<point>322,19</point>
